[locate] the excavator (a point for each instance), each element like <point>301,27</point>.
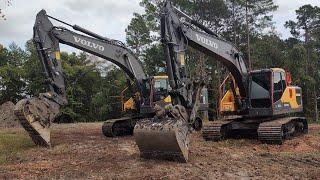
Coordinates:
<point>161,98</point>
<point>260,100</point>
<point>263,101</point>
<point>130,108</point>
<point>37,113</point>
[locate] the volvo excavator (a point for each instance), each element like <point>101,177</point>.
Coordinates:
<point>36,114</point>
<point>162,98</point>
<point>130,108</point>
<point>263,101</point>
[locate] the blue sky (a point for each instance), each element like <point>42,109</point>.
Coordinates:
<point>105,17</point>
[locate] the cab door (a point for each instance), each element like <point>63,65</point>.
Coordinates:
<point>279,85</point>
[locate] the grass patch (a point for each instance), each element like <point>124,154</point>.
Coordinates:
<point>288,155</point>
<point>234,143</point>
<point>312,155</point>
<point>61,149</point>
<point>13,144</point>
<point>312,121</point>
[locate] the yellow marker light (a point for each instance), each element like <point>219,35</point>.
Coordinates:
<point>58,57</point>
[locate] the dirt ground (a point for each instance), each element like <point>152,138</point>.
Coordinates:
<point>81,152</point>
<point>7,117</point>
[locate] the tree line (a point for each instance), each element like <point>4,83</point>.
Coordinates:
<point>94,90</point>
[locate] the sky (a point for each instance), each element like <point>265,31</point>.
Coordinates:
<point>105,17</point>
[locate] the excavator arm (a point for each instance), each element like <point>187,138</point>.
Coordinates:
<point>36,114</point>
<point>180,32</point>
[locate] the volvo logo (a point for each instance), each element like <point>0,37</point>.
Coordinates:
<point>206,41</point>
<point>88,43</point>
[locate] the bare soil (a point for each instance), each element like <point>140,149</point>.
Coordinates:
<point>81,152</point>
<point>7,117</point>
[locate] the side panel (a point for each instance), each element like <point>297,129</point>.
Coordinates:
<point>290,102</point>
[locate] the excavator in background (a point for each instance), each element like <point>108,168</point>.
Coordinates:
<point>161,98</point>
<point>36,114</point>
<point>262,101</point>
<point>130,108</point>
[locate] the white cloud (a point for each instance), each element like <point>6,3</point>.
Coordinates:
<point>287,12</point>
<point>105,17</point>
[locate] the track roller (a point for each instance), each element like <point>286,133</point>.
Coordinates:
<point>216,130</point>
<point>118,127</point>
<point>277,131</point>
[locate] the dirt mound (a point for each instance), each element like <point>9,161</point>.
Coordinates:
<point>7,117</point>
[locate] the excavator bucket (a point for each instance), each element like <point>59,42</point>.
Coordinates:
<point>166,139</point>
<point>34,115</point>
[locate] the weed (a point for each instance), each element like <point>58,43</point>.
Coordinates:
<point>13,144</point>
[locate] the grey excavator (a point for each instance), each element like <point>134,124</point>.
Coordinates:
<point>36,114</point>
<point>260,101</point>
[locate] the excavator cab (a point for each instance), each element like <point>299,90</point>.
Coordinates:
<point>270,93</point>
<point>270,99</point>
<point>155,90</point>
<point>161,90</point>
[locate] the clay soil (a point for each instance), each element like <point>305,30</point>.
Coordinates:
<point>81,152</point>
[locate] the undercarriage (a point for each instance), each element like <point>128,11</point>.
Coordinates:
<point>267,130</point>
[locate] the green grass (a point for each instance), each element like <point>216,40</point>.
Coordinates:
<point>315,154</point>
<point>312,121</point>
<point>13,144</point>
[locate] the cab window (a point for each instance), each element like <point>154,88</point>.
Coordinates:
<point>279,85</point>
<point>161,85</point>
<point>161,89</point>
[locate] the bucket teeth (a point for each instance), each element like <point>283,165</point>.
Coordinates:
<point>166,139</point>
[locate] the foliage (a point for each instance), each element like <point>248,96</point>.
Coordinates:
<point>94,93</point>
<point>307,26</point>
<point>11,80</point>
<point>4,4</point>
<point>89,93</point>
<point>138,33</point>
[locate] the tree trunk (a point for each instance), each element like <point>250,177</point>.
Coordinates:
<point>308,51</point>
<point>234,24</point>
<point>248,37</point>
<point>316,113</point>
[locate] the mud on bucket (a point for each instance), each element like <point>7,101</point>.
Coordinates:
<point>166,139</point>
